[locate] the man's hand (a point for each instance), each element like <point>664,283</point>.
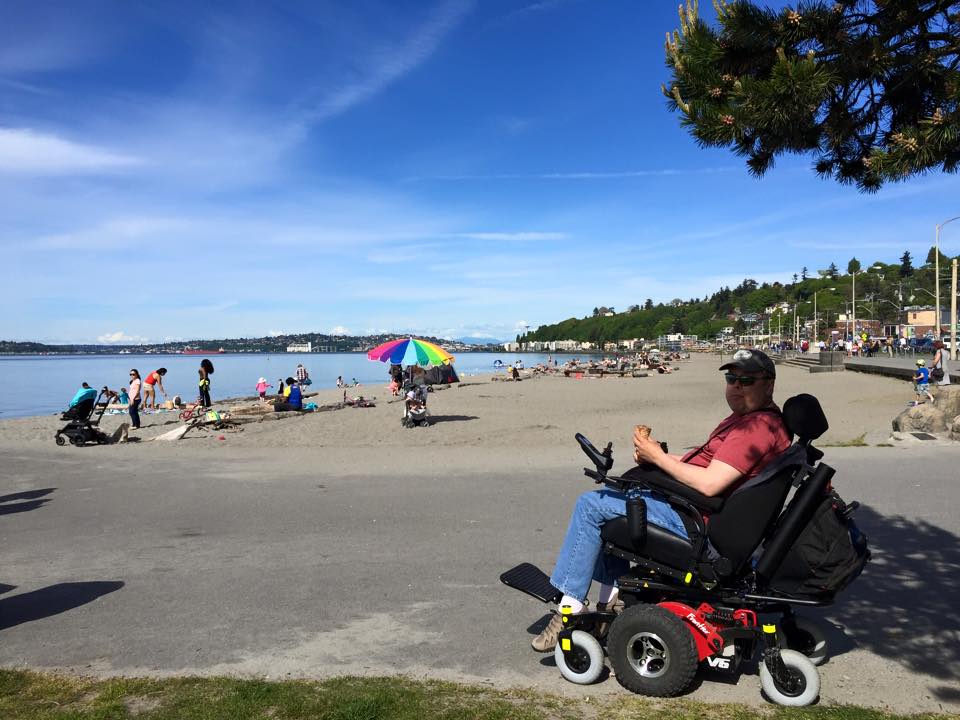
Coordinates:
<point>646,450</point>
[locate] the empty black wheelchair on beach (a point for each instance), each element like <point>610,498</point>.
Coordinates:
<point>715,598</point>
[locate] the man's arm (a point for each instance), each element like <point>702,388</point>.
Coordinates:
<point>711,480</point>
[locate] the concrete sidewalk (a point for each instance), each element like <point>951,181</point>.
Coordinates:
<point>899,367</point>
<point>214,563</point>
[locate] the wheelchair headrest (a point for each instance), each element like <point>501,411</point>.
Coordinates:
<point>804,417</point>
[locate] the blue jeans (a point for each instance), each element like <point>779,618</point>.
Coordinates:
<point>581,559</point>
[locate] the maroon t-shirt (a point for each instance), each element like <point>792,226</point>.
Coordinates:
<point>745,442</point>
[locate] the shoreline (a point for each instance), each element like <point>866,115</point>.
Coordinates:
<point>483,411</point>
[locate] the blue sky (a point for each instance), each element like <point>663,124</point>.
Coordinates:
<point>454,168</point>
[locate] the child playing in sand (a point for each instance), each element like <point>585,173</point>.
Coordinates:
<point>262,386</point>
<point>921,383</point>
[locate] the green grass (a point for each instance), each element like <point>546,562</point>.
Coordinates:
<point>36,696</point>
<point>858,441</point>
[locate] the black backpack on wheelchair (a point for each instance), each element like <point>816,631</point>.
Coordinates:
<point>697,599</point>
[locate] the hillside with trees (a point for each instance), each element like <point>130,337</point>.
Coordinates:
<point>883,290</point>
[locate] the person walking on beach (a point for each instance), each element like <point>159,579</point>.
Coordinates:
<point>205,371</point>
<point>134,402</point>
<point>149,392</point>
<point>939,363</point>
<point>262,386</point>
<point>921,383</point>
<point>303,377</point>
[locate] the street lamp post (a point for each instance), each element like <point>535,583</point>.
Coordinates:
<point>816,326</point>
<point>936,260</point>
<point>853,305</point>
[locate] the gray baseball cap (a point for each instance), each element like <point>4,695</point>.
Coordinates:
<point>752,361</point>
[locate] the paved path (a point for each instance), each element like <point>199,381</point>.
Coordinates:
<point>901,366</point>
<point>205,562</point>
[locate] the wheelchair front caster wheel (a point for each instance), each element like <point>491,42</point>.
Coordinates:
<point>800,685</point>
<point>61,440</point>
<point>584,663</point>
<point>651,651</point>
<point>807,637</point>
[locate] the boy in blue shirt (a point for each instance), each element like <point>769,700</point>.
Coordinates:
<point>921,383</point>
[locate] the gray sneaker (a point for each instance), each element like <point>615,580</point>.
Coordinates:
<point>615,607</point>
<point>546,641</point>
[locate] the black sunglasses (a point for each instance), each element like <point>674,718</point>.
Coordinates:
<point>744,380</point>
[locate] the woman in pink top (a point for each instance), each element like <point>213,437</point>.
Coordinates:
<point>134,405</point>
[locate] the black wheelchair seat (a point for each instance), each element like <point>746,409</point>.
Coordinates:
<point>661,544</point>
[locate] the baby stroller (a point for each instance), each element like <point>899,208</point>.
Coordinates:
<point>82,427</point>
<point>415,406</point>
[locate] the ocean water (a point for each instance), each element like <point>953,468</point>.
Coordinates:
<point>42,384</point>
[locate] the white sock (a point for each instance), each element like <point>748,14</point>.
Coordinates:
<point>608,594</point>
<point>575,605</point>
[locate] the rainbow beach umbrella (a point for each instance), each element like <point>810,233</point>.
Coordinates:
<point>410,351</point>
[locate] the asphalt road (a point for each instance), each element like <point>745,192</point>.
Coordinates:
<point>215,563</point>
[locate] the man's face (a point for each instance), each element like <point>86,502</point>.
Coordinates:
<point>744,399</point>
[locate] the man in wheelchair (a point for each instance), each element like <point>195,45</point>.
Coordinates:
<point>738,449</point>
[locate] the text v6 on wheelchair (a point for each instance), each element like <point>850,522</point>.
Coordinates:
<point>699,601</point>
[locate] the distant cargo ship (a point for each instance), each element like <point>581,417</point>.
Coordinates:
<point>197,351</point>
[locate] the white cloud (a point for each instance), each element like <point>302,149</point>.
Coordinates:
<point>514,236</point>
<point>276,333</point>
<point>586,175</point>
<point>120,337</point>
<point>25,151</point>
<point>339,330</point>
<point>390,64</point>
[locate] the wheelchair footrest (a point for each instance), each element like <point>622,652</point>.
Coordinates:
<point>533,581</point>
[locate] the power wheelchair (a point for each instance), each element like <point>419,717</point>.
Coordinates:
<point>699,601</point>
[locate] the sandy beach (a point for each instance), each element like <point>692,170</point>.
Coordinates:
<point>294,547</point>
<point>536,417</point>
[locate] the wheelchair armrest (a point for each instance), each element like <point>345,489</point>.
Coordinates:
<point>653,478</point>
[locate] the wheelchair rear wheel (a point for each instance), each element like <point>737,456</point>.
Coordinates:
<point>651,651</point>
<point>584,664</point>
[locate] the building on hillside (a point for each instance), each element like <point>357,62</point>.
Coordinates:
<point>632,344</point>
<point>921,319</point>
<point>300,347</point>
<point>511,347</point>
<point>605,312</point>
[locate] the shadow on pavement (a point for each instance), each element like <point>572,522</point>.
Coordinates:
<point>26,495</point>
<point>904,606</point>
<point>52,600</point>
<point>31,498</point>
